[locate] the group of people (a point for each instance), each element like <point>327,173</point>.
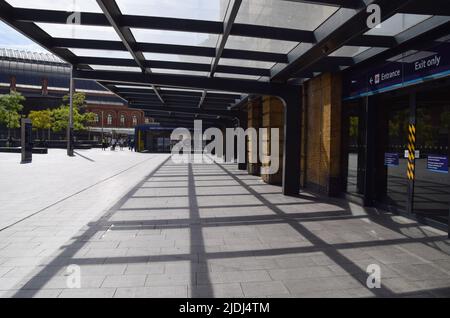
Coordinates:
<point>114,143</point>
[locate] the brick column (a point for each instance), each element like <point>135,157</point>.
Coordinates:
<point>44,89</point>
<point>272,117</point>
<point>254,121</point>
<point>13,84</point>
<point>323,131</point>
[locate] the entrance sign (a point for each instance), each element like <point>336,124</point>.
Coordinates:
<point>391,159</point>
<point>406,70</point>
<point>437,164</point>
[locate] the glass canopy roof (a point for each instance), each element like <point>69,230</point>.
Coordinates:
<point>247,41</point>
<point>284,14</point>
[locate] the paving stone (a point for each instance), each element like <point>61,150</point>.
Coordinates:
<point>260,289</point>
<point>124,281</point>
<point>224,242</point>
<point>179,291</point>
<point>88,293</point>
<point>233,290</point>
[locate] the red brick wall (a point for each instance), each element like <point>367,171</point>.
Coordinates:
<point>116,112</point>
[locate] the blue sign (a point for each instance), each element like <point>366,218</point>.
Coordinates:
<point>409,69</point>
<point>437,164</point>
<point>391,159</point>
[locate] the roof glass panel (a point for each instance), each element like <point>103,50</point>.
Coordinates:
<point>284,14</point>
<point>178,72</point>
<point>246,63</point>
<point>178,58</point>
<point>75,31</point>
<point>135,86</point>
<point>181,89</point>
<point>397,24</point>
<point>60,5</point>
<point>115,68</point>
<point>102,53</point>
<point>237,76</point>
<point>259,44</point>
<point>349,51</point>
<point>212,10</point>
<point>175,37</point>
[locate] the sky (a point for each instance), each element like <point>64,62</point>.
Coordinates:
<point>10,38</point>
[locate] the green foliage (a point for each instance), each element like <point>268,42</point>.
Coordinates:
<point>354,126</point>
<point>60,116</point>
<point>41,119</point>
<point>10,108</point>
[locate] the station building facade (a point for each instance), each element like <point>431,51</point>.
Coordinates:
<point>43,79</point>
<point>358,126</point>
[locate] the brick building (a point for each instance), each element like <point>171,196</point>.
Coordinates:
<point>117,116</point>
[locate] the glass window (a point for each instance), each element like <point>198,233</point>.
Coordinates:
<point>397,24</point>
<point>259,44</point>
<point>432,184</point>
<point>75,31</point>
<point>246,63</point>
<point>102,53</point>
<point>175,37</point>
<point>109,119</point>
<point>135,120</point>
<point>96,118</point>
<point>178,58</point>
<point>115,68</point>
<point>284,14</point>
<point>60,5</point>
<point>237,76</point>
<point>122,120</point>
<point>355,144</point>
<point>178,72</point>
<point>349,51</point>
<point>213,10</point>
<point>396,140</point>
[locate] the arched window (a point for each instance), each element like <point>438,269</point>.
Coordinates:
<point>122,120</point>
<point>109,119</point>
<point>96,118</point>
<point>134,120</point>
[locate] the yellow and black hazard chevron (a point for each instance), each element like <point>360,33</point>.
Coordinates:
<point>411,152</point>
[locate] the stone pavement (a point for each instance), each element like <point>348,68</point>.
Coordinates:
<point>197,230</point>
<point>44,204</point>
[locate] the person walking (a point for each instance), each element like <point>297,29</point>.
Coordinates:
<point>121,142</point>
<point>104,144</point>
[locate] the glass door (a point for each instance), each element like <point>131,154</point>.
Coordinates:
<point>395,158</point>
<point>432,184</point>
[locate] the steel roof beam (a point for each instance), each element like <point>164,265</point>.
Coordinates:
<point>344,26</point>
<point>351,4</point>
<point>185,110</point>
<point>174,65</point>
<point>112,13</point>
<point>166,23</point>
<point>186,81</point>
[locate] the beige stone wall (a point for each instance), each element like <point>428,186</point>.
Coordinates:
<point>273,117</point>
<point>323,109</point>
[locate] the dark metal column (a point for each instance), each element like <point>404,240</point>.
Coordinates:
<point>70,145</point>
<point>243,124</point>
<point>292,142</point>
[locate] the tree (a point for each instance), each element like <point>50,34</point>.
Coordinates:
<point>10,108</point>
<point>41,119</point>
<point>60,116</point>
